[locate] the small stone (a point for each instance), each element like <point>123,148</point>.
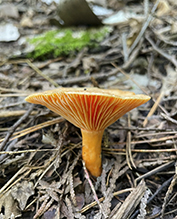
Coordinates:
<point>8,10</point>
<point>26,22</point>
<point>9,32</point>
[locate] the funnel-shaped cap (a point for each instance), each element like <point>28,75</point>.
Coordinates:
<point>89,108</point>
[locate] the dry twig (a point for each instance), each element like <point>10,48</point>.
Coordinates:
<point>14,127</point>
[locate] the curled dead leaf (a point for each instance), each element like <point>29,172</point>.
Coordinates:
<point>21,192</point>
<point>8,206</point>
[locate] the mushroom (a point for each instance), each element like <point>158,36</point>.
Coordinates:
<point>92,110</point>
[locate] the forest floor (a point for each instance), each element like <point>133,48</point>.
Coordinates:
<point>41,169</point>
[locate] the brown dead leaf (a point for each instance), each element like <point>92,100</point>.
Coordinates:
<point>163,8</point>
<point>80,200</point>
<point>26,22</point>
<point>52,213</point>
<point>8,206</point>
<point>21,192</point>
<point>135,29</point>
<point>90,64</point>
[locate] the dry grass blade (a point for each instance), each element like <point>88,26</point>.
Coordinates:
<point>168,118</point>
<point>150,141</point>
<point>14,95</point>
<point>86,78</point>
<point>24,170</point>
<point>45,205</point>
<point>152,172</point>
<point>87,207</point>
<point>93,189</point>
<point>14,127</point>
<point>131,202</point>
<point>166,183</point>
<point>7,113</point>
<point>40,73</point>
<point>128,147</point>
<point>35,128</point>
<point>140,150</point>
<point>169,192</point>
<point>144,27</point>
<point>172,59</point>
<point>50,192</point>
<point>153,109</point>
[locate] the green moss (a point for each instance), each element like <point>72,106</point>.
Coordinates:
<point>66,41</point>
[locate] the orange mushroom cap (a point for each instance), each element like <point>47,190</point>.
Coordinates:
<point>92,110</point>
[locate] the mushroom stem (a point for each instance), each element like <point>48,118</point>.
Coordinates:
<point>91,151</point>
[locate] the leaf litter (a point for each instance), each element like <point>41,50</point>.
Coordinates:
<point>42,174</point>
